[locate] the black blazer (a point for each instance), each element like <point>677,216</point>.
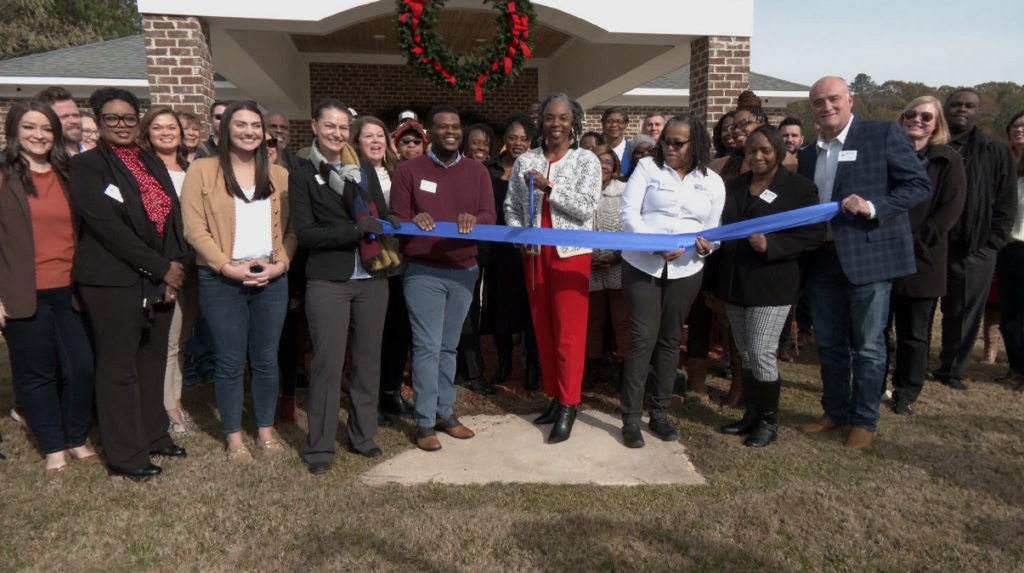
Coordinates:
<point>772,278</point>
<point>324,222</point>
<point>117,243</point>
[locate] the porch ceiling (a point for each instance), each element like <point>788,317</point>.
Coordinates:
<point>462,30</point>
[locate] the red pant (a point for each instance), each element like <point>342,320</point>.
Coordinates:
<point>559,301</point>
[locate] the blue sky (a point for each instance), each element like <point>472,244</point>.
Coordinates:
<point>961,42</point>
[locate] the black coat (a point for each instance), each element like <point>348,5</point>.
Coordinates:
<point>748,278</point>
<point>991,205</point>
<point>117,243</point>
<point>324,222</point>
<point>931,221</point>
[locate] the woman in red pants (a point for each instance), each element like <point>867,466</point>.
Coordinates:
<point>567,186</point>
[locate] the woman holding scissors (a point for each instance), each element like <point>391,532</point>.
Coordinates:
<point>557,186</point>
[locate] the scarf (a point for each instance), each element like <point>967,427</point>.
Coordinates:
<point>376,256</point>
<point>154,199</point>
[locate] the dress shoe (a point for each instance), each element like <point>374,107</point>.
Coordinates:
<point>383,421</point>
<point>822,426</point>
<point>631,436</point>
<point>476,385</point>
<point>454,428</point>
<point>171,452</point>
<point>318,468</point>
<point>902,407</point>
<point>289,414</point>
<point>426,439</point>
<point>501,375</point>
<point>784,355</point>
<point>550,415</point>
<point>767,429</point>
<point>372,452</point>
<point>663,428</point>
<point>953,383</point>
<point>145,473</point>
<point>860,439</point>
<point>748,422</point>
<point>563,425</point>
<point>393,404</point>
<point>301,382</point>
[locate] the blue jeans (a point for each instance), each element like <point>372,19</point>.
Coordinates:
<point>849,324</point>
<point>52,368</point>
<point>438,301</point>
<point>244,319</point>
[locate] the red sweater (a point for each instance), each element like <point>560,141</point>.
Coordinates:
<point>422,186</point>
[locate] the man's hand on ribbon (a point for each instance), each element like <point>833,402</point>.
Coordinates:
<point>758,242</point>
<point>466,222</point>
<point>424,221</point>
<point>856,206</point>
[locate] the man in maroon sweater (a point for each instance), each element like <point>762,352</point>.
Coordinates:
<point>441,273</point>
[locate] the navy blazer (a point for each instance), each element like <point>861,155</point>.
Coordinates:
<point>889,174</point>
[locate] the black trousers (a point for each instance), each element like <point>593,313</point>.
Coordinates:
<point>291,352</point>
<point>968,281</point>
<point>397,340</point>
<point>1010,273</point>
<point>700,318</point>
<point>657,310</point>
<point>912,318</point>
<point>131,358</point>
<point>469,360</point>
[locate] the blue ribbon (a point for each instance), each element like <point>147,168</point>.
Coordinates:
<point>624,241</point>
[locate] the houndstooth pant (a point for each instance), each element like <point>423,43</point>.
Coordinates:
<point>756,330</point>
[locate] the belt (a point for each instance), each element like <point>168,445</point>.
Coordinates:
<point>262,260</point>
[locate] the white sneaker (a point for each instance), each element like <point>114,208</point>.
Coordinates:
<point>887,397</point>
<point>18,415</point>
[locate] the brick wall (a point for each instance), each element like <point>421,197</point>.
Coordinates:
<point>636,117</point>
<point>384,91</point>
<point>302,134</point>
<point>180,64</point>
<point>83,106</point>
<point>719,71</point>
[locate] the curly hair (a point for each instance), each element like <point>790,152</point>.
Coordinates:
<point>577,118</point>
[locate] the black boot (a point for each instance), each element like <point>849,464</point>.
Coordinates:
<point>504,366</point>
<point>767,429</point>
<point>591,373</point>
<point>563,426</point>
<point>392,404</point>
<point>550,415</point>
<point>746,424</point>
<point>532,378</point>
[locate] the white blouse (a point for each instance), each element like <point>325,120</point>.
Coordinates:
<point>658,201</point>
<point>1017,233</point>
<point>178,178</point>
<point>253,223</point>
<point>385,183</point>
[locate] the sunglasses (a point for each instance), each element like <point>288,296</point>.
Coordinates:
<point>112,120</point>
<point>411,141</point>
<point>912,114</point>
<point>676,145</point>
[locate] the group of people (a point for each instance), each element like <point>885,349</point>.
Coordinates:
<point>127,261</point>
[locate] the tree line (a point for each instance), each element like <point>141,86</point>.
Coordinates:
<point>999,101</point>
<point>32,26</point>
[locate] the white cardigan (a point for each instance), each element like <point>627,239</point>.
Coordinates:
<point>576,188</point>
<point>606,220</point>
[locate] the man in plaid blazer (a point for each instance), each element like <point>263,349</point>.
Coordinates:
<point>873,170</point>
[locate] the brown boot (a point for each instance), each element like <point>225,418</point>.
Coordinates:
<point>735,397</point>
<point>696,374</point>
<point>860,439</point>
<point>426,439</point>
<point>822,426</point>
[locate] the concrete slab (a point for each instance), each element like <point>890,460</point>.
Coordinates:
<point>511,449</point>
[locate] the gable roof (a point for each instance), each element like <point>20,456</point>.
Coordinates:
<point>121,59</point>
<point>680,80</point>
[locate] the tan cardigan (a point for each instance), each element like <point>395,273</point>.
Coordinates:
<point>208,211</point>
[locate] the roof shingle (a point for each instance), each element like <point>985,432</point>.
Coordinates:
<point>680,80</point>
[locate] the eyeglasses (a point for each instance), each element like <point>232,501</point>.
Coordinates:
<point>616,122</point>
<point>912,114</point>
<point>740,125</point>
<point>1016,127</point>
<point>88,132</point>
<point>416,142</point>
<point>112,120</point>
<point>677,145</point>
<point>607,163</point>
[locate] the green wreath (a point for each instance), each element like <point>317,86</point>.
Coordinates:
<point>487,68</point>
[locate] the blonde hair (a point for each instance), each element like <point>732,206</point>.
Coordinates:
<point>941,134</point>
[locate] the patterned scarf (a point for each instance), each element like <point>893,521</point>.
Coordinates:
<point>158,205</point>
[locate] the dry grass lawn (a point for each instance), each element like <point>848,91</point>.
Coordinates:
<point>942,491</point>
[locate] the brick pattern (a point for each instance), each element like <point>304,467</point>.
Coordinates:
<point>775,115</point>
<point>384,91</point>
<point>180,64</point>
<point>301,134</point>
<point>636,117</point>
<point>719,71</point>
<point>83,106</point>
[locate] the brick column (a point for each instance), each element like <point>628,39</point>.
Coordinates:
<point>719,71</point>
<point>180,64</point>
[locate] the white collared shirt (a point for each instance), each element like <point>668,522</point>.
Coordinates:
<point>659,201</point>
<point>828,163</point>
<point>620,149</point>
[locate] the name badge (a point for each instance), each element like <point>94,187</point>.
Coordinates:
<point>320,179</point>
<point>114,193</point>
<point>848,155</point>
<point>768,196</point>
<point>428,186</point>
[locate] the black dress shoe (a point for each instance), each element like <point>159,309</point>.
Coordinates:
<point>318,468</point>
<point>663,428</point>
<point>145,473</point>
<point>632,436</point>
<point>550,415</point>
<point>393,404</point>
<point>953,383</point>
<point>476,385</point>
<point>373,452</point>
<point>902,407</point>
<point>170,452</point>
<point>301,382</point>
<point>383,421</point>
<point>501,375</point>
<point>563,426</point>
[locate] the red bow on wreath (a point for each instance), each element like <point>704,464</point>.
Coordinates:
<point>416,9</point>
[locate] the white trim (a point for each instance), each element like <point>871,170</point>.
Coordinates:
<point>787,94</point>
<point>72,81</point>
<point>224,85</point>
<point>657,92</point>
